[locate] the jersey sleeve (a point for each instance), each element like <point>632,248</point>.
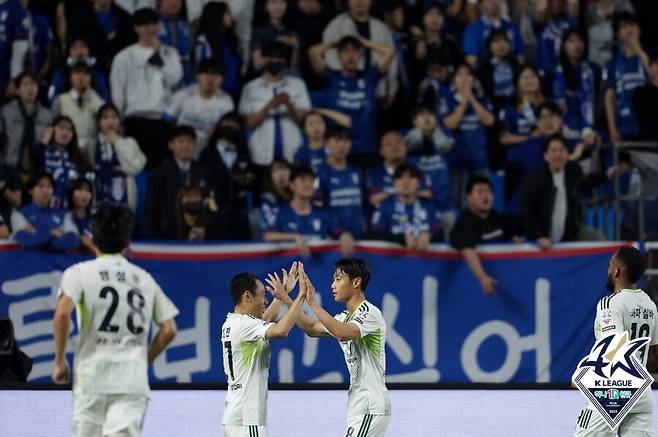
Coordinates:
<point>70,285</point>
<point>163,308</point>
<point>255,329</point>
<point>367,321</point>
<point>608,318</point>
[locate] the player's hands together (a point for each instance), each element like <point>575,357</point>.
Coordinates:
<point>61,373</point>
<point>290,277</point>
<point>309,289</point>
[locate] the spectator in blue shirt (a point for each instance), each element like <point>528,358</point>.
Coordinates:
<point>467,117</point>
<point>313,152</point>
<point>404,217</point>
<point>625,72</point>
<point>498,69</point>
<point>78,51</point>
<point>575,87</point>
<point>276,191</point>
<point>300,222</point>
<point>40,42</point>
<point>352,91</point>
<point>38,225</point>
<point>175,32</point>
<point>341,185</point>
<point>379,179</point>
<point>80,196</point>
<point>216,40</point>
<point>519,121</point>
<point>552,19</point>
<point>434,89</point>
<point>475,35</point>
<point>13,44</point>
<point>58,154</point>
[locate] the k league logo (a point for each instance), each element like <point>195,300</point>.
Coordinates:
<point>612,378</point>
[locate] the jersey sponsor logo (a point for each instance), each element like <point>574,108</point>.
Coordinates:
<point>612,378</point>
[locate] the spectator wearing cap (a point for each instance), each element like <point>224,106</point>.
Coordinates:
<point>351,90</point>
<point>22,122</point>
<point>358,21</point>
<point>115,158</point>
<point>274,104</point>
<point>625,72</point>
<point>300,222</point>
<point>105,26</point>
<point>167,179</point>
<point>175,32</point>
<point>405,217</point>
<point>80,104</point>
<point>340,185</point>
<point>479,223</point>
<point>40,226</point>
<point>202,104</point>
<point>78,51</point>
<point>143,77</point>
<point>475,35</point>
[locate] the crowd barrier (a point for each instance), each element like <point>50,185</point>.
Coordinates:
<point>441,327</point>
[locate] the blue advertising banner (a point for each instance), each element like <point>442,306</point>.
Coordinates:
<point>441,327</point>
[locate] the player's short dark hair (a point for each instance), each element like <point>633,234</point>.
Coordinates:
<point>551,106</point>
<point>354,268</point>
<point>210,66</point>
<point>406,170</point>
<point>298,171</point>
<point>633,262</point>
<point>182,130</point>
<point>349,41</point>
<point>338,132</point>
<point>621,18</point>
<point>477,180</point>
<point>34,181</point>
<point>276,49</point>
<point>240,283</point>
<point>111,226</point>
<point>555,137</point>
<point>145,16</point>
<point>422,109</point>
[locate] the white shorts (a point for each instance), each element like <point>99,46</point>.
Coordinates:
<point>245,431</point>
<point>367,425</point>
<point>108,415</point>
<point>591,424</point>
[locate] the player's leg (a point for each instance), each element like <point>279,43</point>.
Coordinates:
<point>367,425</point>
<point>245,431</point>
<point>636,425</point>
<point>591,424</point>
<point>125,415</point>
<point>88,415</point>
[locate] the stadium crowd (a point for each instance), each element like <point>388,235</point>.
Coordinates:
<point>288,120</point>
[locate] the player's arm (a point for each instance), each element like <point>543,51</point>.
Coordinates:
<point>280,289</point>
<point>166,333</point>
<point>61,329</point>
<point>341,331</point>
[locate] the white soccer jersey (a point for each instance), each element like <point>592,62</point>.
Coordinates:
<point>635,312</point>
<point>247,367</point>
<point>115,302</point>
<point>366,362</point>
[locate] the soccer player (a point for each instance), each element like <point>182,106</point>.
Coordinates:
<point>626,309</point>
<point>361,332</point>
<point>116,302</point>
<point>246,349</point>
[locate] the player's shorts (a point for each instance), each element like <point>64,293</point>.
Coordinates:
<point>367,425</point>
<point>591,424</point>
<point>245,431</point>
<point>108,415</point>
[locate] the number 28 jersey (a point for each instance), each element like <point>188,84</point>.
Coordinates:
<point>115,304</point>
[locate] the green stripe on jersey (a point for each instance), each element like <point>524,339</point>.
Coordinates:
<point>373,342</point>
<point>249,350</point>
<point>83,313</point>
